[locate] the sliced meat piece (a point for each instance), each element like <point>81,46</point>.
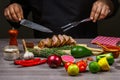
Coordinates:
<point>71,40</point>
<point>44,42</point>
<point>55,41</point>
<point>59,42</point>
<point>47,42</point>
<point>62,40</point>
<point>66,39</point>
<point>41,44</point>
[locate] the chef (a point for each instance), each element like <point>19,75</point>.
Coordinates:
<point>56,13</point>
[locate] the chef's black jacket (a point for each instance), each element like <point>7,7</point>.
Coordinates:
<point>56,13</point>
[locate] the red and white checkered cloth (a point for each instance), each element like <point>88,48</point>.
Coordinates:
<point>104,40</point>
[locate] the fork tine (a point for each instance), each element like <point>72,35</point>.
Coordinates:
<point>66,25</point>
<point>73,24</point>
<point>68,28</point>
<point>70,24</point>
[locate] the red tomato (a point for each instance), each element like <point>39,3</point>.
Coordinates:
<point>82,69</point>
<point>67,64</point>
<point>82,65</point>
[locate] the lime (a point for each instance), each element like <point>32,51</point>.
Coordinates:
<point>94,67</point>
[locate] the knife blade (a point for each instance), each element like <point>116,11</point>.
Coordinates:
<point>35,26</point>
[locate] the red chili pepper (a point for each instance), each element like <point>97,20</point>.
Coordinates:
<point>17,62</point>
<point>32,62</point>
<point>43,61</point>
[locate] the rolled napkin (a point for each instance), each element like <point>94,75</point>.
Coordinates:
<point>105,40</point>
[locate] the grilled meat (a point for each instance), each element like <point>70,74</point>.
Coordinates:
<point>56,41</point>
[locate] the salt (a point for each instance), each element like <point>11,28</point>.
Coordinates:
<point>11,53</point>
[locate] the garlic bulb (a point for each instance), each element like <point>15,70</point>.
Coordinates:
<point>27,55</point>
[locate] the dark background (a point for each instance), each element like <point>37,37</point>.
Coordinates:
<point>108,27</point>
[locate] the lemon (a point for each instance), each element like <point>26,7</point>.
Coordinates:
<point>104,65</point>
<point>94,67</point>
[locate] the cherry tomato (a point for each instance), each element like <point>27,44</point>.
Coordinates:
<point>82,65</point>
<point>67,64</point>
<point>82,69</point>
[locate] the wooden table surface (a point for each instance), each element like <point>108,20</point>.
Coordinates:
<point>9,71</point>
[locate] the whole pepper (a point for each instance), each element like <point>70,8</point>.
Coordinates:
<point>13,36</point>
<point>31,62</point>
<point>109,56</point>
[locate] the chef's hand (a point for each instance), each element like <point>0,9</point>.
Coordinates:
<point>13,12</point>
<point>101,9</point>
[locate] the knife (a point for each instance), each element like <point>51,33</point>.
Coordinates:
<point>35,26</point>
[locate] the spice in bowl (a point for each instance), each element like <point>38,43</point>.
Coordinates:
<point>11,53</point>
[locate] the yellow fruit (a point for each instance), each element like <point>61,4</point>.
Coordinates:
<point>104,64</point>
<point>73,70</point>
